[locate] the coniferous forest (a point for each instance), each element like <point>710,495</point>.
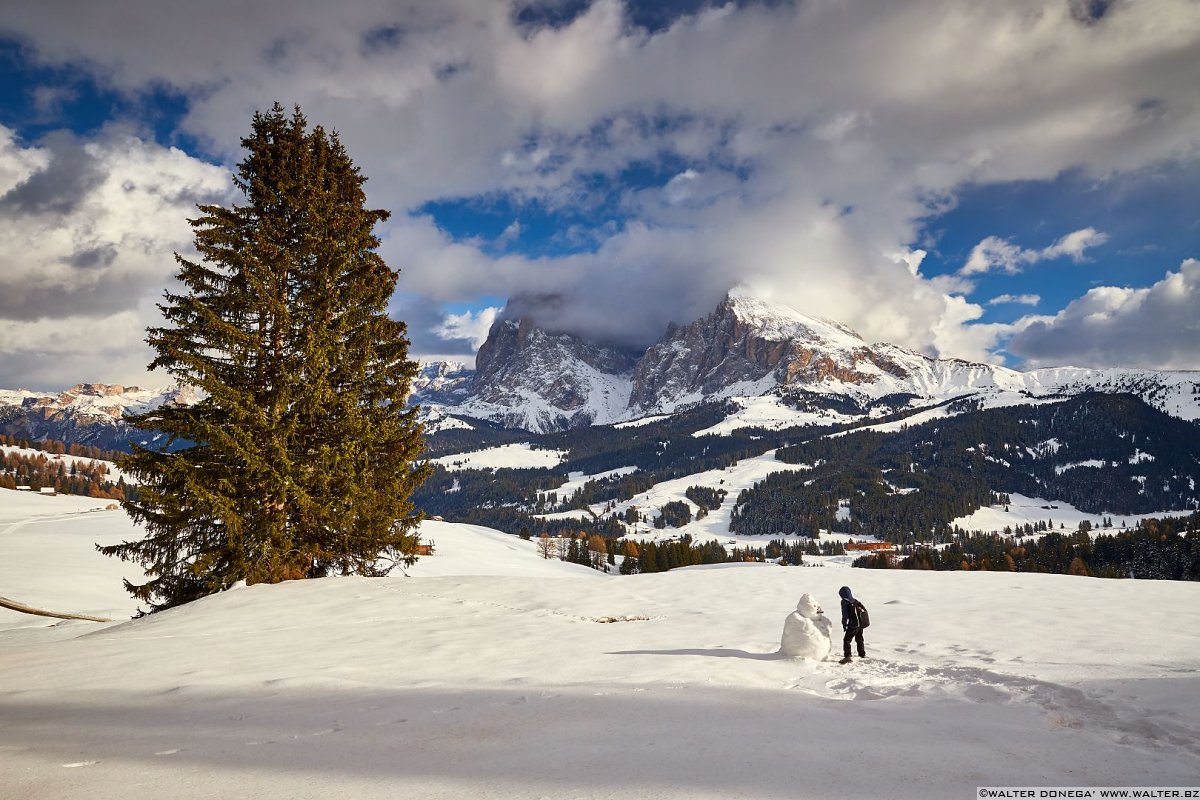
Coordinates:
<point>1166,548</point>
<point>85,474</point>
<point>1100,453</point>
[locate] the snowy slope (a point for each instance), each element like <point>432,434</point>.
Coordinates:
<point>47,556</point>
<point>715,525</point>
<point>473,550</point>
<point>115,473</point>
<point>579,685</point>
<point>505,456</point>
<point>1022,510</point>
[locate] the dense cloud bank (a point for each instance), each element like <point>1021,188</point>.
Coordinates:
<point>801,149</point>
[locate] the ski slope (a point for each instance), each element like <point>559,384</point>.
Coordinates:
<point>489,672</point>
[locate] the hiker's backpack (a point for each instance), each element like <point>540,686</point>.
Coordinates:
<point>860,611</point>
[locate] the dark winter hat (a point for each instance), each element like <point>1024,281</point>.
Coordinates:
<point>844,592</point>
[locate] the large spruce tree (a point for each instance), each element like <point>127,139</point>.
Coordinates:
<point>299,460</point>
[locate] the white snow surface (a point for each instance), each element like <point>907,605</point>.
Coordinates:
<point>637,423</point>
<point>577,480</point>
<point>475,550</point>
<point>521,455</point>
<point>436,419</point>
<point>1091,463</point>
<point>772,413</point>
<point>452,684</point>
<point>1028,510</point>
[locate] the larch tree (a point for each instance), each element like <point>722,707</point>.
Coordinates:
<point>299,459</point>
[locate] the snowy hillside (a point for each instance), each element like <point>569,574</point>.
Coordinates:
<point>715,525</point>
<point>113,472</point>
<point>508,456</point>
<point>452,683</point>
<point>1022,510</point>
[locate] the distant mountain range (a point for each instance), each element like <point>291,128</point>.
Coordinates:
<point>769,365</point>
<point>87,413</point>
<point>779,367</point>
<point>868,439</point>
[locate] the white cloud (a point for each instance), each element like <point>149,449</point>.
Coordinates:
<point>509,235</point>
<point>681,187</point>
<point>1154,327</point>
<point>819,135</point>
<point>472,326</point>
<point>1019,299</point>
<point>86,248</point>
<point>18,164</point>
<point>994,253</point>
<point>912,259</point>
<point>1074,243</point>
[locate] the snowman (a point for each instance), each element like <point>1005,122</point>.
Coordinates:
<point>806,631</point>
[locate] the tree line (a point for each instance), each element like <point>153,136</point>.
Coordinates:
<point>44,468</point>
<point>1165,548</point>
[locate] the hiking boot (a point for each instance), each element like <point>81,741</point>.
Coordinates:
<point>845,660</point>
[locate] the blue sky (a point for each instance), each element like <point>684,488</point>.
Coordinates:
<point>1004,182</point>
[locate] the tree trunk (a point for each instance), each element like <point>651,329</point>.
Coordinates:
<point>39,612</point>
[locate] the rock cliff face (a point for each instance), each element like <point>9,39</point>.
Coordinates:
<point>88,413</point>
<point>532,378</point>
<point>442,383</point>
<point>747,344</point>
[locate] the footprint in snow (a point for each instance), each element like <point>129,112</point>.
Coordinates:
<point>337,727</point>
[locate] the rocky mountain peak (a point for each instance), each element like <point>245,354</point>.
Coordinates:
<point>442,382</point>
<point>527,376</point>
<point>748,345</point>
<point>98,390</point>
<point>88,413</point>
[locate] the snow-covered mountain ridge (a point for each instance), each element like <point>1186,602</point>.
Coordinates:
<point>526,377</point>
<point>749,348</point>
<point>776,366</point>
<point>87,413</point>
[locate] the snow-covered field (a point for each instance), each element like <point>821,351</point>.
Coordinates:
<point>491,673</point>
<point>47,554</point>
<point>513,456</point>
<point>577,480</point>
<point>771,413</point>
<point>1024,510</point>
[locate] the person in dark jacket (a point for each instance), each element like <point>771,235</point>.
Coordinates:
<point>850,626</point>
